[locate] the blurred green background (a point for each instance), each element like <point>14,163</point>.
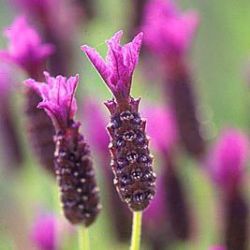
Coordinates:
<point>221,70</point>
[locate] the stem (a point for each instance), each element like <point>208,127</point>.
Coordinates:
<point>136,231</point>
<point>83,237</point>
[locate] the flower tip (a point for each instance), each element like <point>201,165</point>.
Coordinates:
<point>140,35</point>
<point>88,51</point>
<point>85,48</point>
<point>29,82</point>
<point>138,40</point>
<point>32,84</point>
<point>77,77</point>
<point>40,105</point>
<point>116,38</point>
<point>46,75</point>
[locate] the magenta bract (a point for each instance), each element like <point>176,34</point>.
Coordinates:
<point>118,68</point>
<point>58,97</point>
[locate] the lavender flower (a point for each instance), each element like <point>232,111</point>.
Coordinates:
<point>44,232</point>
<point>168,34</point>
<point>131,160</point>
<point>227,162</point>
<point>26,48</point>
<point>98,138</point>
<point>56,20</point>
<point>28,52</point>
<point>73,164</point>
<point>11,142</point>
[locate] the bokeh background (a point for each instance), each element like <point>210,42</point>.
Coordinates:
<point>220,62</point>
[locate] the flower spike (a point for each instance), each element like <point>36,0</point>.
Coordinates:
<point>73,163</point>
<point>131,159</point>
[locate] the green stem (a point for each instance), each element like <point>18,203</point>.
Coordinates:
<point>83,237</point>
<point>136,231</point>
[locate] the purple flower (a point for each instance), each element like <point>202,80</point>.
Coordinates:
<point>25,47</point>
<point>58,97</point>
<point>120,64</point>
<point>44,232</point>
<point>166,29</point>
<point>72,159</point>
<point>131,160</point>
<point>161,127</point>
<point>228,159</point>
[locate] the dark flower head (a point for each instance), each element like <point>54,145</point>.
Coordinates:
<point>58,97</point>
<point>25,46</point>
<point>117,70</point>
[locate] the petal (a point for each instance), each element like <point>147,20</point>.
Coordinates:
<point>31,83</point>
<point>97,61</point>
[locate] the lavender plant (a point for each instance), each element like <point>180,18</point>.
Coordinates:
<point>57,22</point>
<point>131,159</point>
<point>73,164</point>
<point>27,51</point>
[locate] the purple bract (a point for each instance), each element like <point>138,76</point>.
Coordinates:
<point>119,66</point>
<point>58,97</point>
